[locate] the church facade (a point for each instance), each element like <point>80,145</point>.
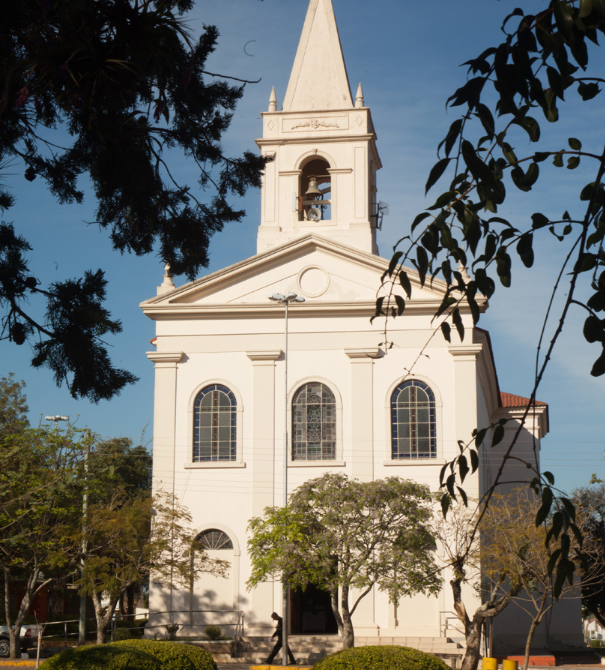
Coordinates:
<point>223,403</point>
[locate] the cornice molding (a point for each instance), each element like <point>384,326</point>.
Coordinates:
<point>165,357</point>
<point>264,356</point>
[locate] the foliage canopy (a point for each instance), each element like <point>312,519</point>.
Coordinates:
<point>384,657</point>
<point>106,89</point>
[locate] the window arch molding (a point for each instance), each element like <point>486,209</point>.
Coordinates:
<point>389,460</point>
<point>308,156</point>
<point>338,399</point>
<point>239,458</point>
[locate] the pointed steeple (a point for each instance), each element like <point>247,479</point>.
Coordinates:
<point>319,78</point>
<point>359,102</point>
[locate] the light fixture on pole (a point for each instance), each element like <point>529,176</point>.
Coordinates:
<point>285,300</point>
<point>56,418</point>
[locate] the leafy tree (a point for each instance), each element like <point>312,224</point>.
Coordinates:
<point>38,504</point>
<point>462,555</point>
<point>541,64</point>
<point>104,89</point>
<point>590,503</point>
<point>517,548</point>
<point>342,535</point>
<point>130,540</point>
<point>13,405</point>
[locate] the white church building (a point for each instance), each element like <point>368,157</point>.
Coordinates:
<point>221,399</point>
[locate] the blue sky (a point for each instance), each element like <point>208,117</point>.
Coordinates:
<point>407,56</point>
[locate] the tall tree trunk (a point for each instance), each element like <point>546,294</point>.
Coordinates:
<point>532,629</point>
<point>336,612</point>
<point>130,599</point>
<point>56,599</point>
<point>103,615</point>
<point>473,645</point>
<point>348,634</point>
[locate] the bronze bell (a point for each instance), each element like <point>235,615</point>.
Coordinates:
<point>313,191</point>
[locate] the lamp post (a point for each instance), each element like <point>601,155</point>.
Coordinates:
<point>285,300</point>
<point>56,418</point>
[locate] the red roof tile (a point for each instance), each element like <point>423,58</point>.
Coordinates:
<point>510,400</point>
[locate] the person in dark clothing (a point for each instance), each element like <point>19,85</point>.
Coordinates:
<point>279,635</point>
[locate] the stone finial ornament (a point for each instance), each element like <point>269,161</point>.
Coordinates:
<point>359,101</point>
<point>273,101</point>
<point>168,284</point>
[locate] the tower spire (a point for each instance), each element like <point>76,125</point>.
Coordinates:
<point>319,78</point>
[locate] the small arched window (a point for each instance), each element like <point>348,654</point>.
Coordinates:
<point>414,427</point>
<point>314,423</point>
<point>215,425</point>
<point>214,540</point>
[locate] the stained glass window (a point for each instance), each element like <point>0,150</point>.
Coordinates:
<point>314,423</point>
<point>215,425</point>
<point>215,540</point>
<point>414,427</point>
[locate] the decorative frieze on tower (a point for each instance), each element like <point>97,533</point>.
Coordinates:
<point>323,175</point>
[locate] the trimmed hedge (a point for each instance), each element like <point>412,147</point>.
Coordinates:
<point>383,657</point>
<point>133,655</point>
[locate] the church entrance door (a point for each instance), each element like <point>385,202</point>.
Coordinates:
<point>311,612</point>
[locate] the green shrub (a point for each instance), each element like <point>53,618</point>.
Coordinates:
<point>133,655</point>
<point>121,634</point>
<point>384,657</point>
<point>214,632</point>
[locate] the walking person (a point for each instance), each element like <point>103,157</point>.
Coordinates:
<point>279,628</point>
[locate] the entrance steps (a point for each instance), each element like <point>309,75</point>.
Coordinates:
<point>308,649</point>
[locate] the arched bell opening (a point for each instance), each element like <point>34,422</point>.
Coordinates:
<point>315,192</point>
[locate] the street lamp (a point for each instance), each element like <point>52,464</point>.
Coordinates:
<point>56,418</point>
<point>285,300</point>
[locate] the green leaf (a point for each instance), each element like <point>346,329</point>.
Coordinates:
<point>474,460</point>
<point>457,319</point>
<point>447,331</point>
<point>593,330</point>
<point>419,219</point>
<point>573,162</point>
<point>452,136</point>
<point>598,369</point>
<point>480,437</point>
<point>569,508</point>
<point>544,511</point>
<point>575,144</point>
<point>585,8</point>
<point>498,436</point>
<point>525,250</point>
<point>550,478</point>
<point>404,280</point>
<point>400,304</point>
<point>463,495</point>
<point>446,501</point>
<point>588,91</point>
<point>539,221</point>
<point>463,468</point>
<point>553,561</point>
<point>436,173</point>
<point>394,263</point>
<point>558,160</point>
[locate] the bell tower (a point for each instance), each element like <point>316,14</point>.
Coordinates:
<point>322,178</point>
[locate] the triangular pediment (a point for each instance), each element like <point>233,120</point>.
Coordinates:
<point>324,272</point>
<point>319,78</point>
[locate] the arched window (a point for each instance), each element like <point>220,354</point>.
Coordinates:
<point>215,425</point>
<point>215,540</point>
<point>314,423</point>
<point>414,428</point>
